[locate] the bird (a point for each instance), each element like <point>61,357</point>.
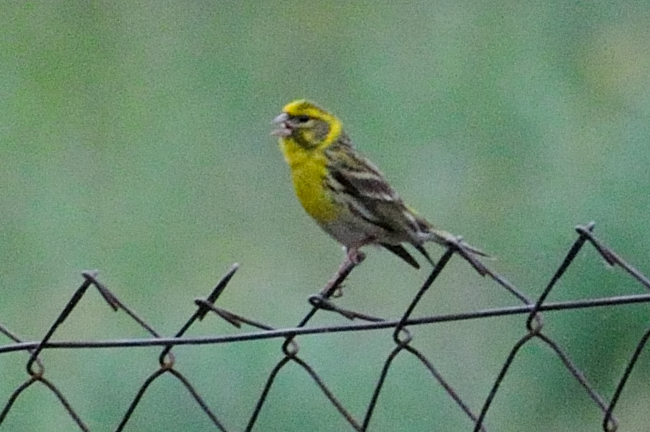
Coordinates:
<point>345,193</point>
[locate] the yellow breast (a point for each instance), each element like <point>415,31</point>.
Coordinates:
<point>308,171</point>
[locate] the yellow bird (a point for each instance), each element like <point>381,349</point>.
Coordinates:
<point>344,192</point>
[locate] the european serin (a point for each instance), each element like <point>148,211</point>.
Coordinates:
<point>344,192</point>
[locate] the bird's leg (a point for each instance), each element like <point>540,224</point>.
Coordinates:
<point>354,255</point>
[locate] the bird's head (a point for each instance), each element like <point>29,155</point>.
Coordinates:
<point>307,125</point>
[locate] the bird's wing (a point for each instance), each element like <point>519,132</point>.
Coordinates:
<point>363,186</point>
<point>368,194</point>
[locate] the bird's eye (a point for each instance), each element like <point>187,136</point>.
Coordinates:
<point>302,118</point>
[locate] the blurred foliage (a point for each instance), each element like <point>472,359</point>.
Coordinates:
<point>134,138</point>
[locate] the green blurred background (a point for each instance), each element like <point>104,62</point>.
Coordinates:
<point>134,139</point>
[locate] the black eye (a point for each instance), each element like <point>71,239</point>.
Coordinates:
<point>302,118</point>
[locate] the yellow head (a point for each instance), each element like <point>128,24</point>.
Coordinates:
<point>307,125</point>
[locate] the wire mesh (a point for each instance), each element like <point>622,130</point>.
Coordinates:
<point>402,337</point>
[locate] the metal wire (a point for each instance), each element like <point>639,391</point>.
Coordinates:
<point>402,337</point>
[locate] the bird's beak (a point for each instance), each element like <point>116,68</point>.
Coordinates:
<point>283,130</point>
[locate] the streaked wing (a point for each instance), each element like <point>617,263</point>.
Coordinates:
<point>369,194</point>
<point>353,175</point>
<point>359,176</point>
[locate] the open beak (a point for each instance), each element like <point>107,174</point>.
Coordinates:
<point>283,129</point>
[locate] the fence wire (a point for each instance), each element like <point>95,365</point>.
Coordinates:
<point>402,337</point>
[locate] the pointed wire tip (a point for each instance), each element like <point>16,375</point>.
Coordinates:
<point>90,274</point>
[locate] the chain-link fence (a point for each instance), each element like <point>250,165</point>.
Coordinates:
<point>402,337</point>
